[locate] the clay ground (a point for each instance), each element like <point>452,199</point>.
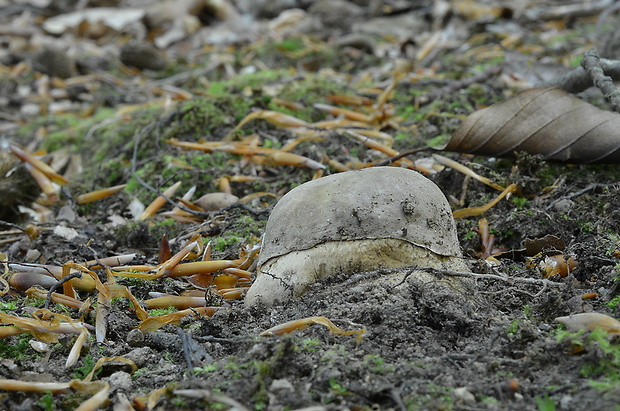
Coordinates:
<point>494,346</point>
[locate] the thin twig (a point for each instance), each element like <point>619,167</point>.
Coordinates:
<point>7,224</point>
<point>577,193</point>
<point>578,80</point>
<point>411,271</point>
<point>397,157</point>
<point>48,299</point>
<point>185,343</point>
<point>395,394</point>
<point>507,279</point>
<point>592,64</point>
<point>602,18</point>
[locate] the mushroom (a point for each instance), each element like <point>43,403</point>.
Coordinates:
<point>352,222</point>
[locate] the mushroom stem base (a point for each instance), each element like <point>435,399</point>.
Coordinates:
<point>288,276</point>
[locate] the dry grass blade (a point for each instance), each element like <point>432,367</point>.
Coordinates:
<point>176,301</point>
<point>339,111</point>
<point>273,117</point>
<point>370,143</point>
<point>387,139</point>
<point>99,194</point>
<point>466,170</point>
<point>94,402</point>
<point>150,400</point>
<point>590,321</point>
<point>473,211</point>
<point>44,183</point>
<point>110,261</point>
<point>305,322</point>
<point>104,303</point>
<point>47,331</point>
<point>9,331</point>
<point>111,290</point>
<point>98,389</point>
<point>85,283</point>
<point>16,385</point>
<point>159,202</point>
<point>173,261</point>
<point>290,159</point>
<point>197,267</point>
<point>104,360</point>
<point>44,330</point>
<point>233,293</point>
<point>39,165</point>
<point>154,323</point>
<point>350,100</point>
<point>58,298</point>
<point>74,354</point>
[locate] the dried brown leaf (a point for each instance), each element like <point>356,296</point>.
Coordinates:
<point>546,121</point>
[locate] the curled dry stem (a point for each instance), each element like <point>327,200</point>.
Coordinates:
<point>472,211</point>
<point>300,324</point>
<point>98,194</point>
<point>154,323</point>
<point>466,170</point>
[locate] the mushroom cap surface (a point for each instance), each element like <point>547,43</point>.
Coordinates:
<point>378,202</point>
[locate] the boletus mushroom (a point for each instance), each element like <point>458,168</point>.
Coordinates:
<point>352,222</point>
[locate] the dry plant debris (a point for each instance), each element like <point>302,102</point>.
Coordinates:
<point>590,321</point>
<point>305,322</point>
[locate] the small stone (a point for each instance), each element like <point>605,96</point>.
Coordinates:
<point>357,40</point>
<point>135,338</point>
<point>30,110</point>
<point>563,206</point>
<point>142,56</point>
<point>462,393</point>
<point>281,385</point>
<point>39,346</point>
<point>32,255</point>
<point>120,380</point>
<point>339,14</point>
<point>67,233</point>
<point>216,201</point>
<point>54,62</point>
<point>141,356</point>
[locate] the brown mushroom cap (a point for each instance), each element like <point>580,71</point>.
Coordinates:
<point>350,222</point>
<point>378,202</point>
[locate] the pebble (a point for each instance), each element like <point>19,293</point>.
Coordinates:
<point>120,380</point>
<point>462,393</point>
<point>563,206</point>
<point>142,56</point>
<point>30,110</point>
<point>135,338</point>
<point>141,356</point>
